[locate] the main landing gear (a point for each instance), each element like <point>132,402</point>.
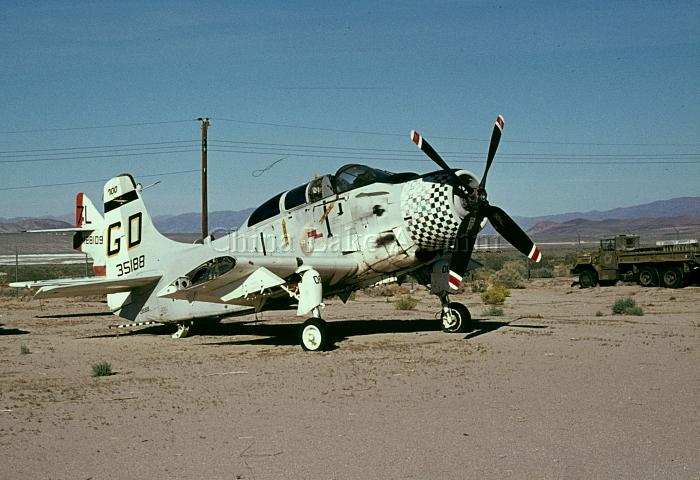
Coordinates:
<point>314,336</point>
<point>455,316</point>
<point>183,328</point>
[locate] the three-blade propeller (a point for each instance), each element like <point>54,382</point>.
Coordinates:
<point>479,208</point>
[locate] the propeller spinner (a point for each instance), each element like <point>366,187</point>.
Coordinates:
<point>479,208</point>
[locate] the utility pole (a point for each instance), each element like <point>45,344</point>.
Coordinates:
<point>205,214</point>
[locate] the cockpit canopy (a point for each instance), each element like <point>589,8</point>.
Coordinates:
<point>348,177</point>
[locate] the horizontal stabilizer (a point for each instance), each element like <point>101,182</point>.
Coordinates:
<point>78,287</point>
<point>84,228</point>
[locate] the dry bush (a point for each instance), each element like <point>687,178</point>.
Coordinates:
<point>102,369</point>
<point>494,311</point>
<point>405,303</point>
<point>495,296</point>
<point>626,306</point>
<point>508,278</point>
<point>542,272</point>
<point>479,286</point>
<point>387,290</point>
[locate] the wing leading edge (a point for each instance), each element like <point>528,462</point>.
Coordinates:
<point>78,287</point>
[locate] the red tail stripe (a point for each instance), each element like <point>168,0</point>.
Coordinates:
<point>79,210</point>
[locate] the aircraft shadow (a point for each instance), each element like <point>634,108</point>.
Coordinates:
<point>342,330</point>
<point>284,334</point>
<point>483,327</point>
<point>75,315</point>
<point>12,331</point>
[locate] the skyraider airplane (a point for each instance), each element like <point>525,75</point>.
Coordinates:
<point>332,236</point>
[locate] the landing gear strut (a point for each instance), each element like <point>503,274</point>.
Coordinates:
<point>183,328</point>
<point>455,316</point>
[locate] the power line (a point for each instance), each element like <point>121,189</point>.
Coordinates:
<point>340,130</point>
<point>94,127</point>
<point>92,157</point>
<point>311,149</point>
<point>610,161</point>
<point>395,134</point>
<point>91,147</point>
<point>302,127</point>
<point>101,180</point>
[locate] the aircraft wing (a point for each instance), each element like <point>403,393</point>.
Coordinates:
<point>252,276</point>
<point>78,287</point>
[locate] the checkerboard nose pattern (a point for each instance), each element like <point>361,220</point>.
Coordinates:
<point>428,210</point>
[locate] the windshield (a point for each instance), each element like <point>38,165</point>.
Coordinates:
<point>350,177</point>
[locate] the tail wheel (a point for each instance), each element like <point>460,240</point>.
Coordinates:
<point>313,335</point>
<point>648,276</point>
<point>672,277</point>
<point>461,319</point>
<point>588,278</point>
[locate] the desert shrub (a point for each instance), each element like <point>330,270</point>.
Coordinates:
<point>24,350</point>
<point>599,313</point>
<point>626,306</point>
<point>387,290</point>
<point>542,272</point>
<point>102,369</point>
<point>495,296</point>
<point>43,272</point>
<point>494,311</point>
<point>9,292</point>
<point>478,286</point>
<point>508,278</point>
<point>519,266</point>
<point>491,261</point>
<point>561,270</point>
<point>405,303</point>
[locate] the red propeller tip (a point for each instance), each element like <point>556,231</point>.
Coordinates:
<point>535,254</point>
<point>500,121</point>
<point>416,138</point>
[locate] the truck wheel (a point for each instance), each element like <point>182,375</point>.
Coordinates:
<point>588,278</point>
<point>648,277</point>
<point>672,277</point>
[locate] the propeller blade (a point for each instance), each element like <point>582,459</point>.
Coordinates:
<point>423,144</point>
<point>464,245</point>
<point>493,146</point>
<point>510,230</point>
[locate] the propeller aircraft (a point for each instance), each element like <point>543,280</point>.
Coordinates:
<point>331,236</point>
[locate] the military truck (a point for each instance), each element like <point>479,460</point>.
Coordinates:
<point>668,264</point>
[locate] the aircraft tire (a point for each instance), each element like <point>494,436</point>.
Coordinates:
<point>648,276</point>
<point>313,335</point>
<point>464,319</point>
<point>672,277</point>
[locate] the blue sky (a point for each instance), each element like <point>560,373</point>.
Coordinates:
<point>603,97</point>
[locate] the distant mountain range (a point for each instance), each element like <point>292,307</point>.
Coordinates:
<point>192,222</point>
<point>675,207</point>
<point>677,218</point>
<point>665,219</point>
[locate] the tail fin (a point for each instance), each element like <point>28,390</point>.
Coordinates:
<point>131,241</point>
<point>89,236</point>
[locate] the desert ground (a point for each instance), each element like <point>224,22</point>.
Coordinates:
<point>557,387</point>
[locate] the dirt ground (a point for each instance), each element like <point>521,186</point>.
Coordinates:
<point>557,387</point>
